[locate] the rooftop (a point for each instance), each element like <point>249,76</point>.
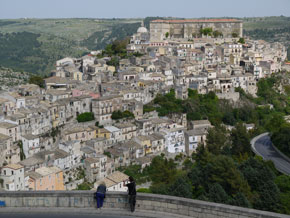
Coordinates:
<point>201,122</point>
<point>13,166</point>
<point>117,177</point>
<point>44,171</point>
<point>4,137</point>
<point>7,125</point>
<point>196,21</point>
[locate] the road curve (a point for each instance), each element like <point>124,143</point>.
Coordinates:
<point>262,146</point>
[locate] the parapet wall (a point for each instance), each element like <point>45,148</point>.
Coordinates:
<point>151,205</point>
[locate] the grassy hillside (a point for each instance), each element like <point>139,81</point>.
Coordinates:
<point>40,42</point>
<point>271,29</point>
<point>33,45</point>
<point>9,78</point>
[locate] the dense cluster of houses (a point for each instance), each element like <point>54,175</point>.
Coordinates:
<point>43,147</point>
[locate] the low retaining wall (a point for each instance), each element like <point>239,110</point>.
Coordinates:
<point>147,203</point>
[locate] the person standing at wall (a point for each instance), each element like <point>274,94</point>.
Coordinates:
<point>101,194</point>
<point>132,193</point>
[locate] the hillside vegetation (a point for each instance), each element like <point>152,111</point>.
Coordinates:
<point>271,29</point>
<point>10,78</point>
<point>33,45</point>
<point>225,170</point>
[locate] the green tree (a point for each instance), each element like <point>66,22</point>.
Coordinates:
<point>116,115</point>
<point>20,145</point>
<point>128,114</point>
<point>234,35</point>
<point>148,108</point>
<point>144,190</point>
<point>281,139</point>
<point>37,80</point>
<point>84,186</point>
<point>240,200</point>
<point>240,140</point>
<point>217,34</point>
<point>167,34</point>
<point>283,182</point>
<point>206,31</point>
<point>217,194</point>
<point>113,62</point>
<point>261,180</point>
<point>217,140</point>
<point>223,170</point>
<point>85,117</point>
<point>162,170</point>
<point>181,188</point>
<point>196,178</point>
<point>242,41</point>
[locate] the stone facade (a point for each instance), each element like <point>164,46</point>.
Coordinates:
<point>191,28</point>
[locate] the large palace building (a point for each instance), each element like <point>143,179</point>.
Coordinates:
<point>187,29</point>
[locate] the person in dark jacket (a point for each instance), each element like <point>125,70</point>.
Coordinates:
<point>132,193</point>
<point>100,195</point>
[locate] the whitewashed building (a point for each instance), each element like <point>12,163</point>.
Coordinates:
<point>174,139</point>
<point>13,177</point>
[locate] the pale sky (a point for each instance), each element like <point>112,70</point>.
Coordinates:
<point>141,8</point>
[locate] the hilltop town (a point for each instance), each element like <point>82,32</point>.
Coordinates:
<point>97,113</point>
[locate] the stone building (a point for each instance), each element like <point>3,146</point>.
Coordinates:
<point>45,178</point>
<point>187,29</point>
<point>13,177</point>
<point>104,107</point>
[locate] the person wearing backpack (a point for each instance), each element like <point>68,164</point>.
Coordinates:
<point>132,193</point>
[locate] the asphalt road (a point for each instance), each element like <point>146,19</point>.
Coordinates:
<point>264,147</point>
<point>35,215</point>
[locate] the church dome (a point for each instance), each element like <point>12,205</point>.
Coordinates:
<point>142,30</point>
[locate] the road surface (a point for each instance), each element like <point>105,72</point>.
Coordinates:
<point>263,147</point>
<point>35,215</point>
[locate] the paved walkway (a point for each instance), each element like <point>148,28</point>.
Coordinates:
<point>35,215</point>
<point>37,212</point>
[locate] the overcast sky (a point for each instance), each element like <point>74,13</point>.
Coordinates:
<point>141,8</point>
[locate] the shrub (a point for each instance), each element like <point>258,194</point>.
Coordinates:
<point>85,117</point>
<point>144,190</point>
<point>116,115</point>
<point>234,35</point>
<point>242,41</point>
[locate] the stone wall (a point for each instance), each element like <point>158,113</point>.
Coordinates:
<point>234,96</point>
<point>189,30</point>
<point>148,205</point>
